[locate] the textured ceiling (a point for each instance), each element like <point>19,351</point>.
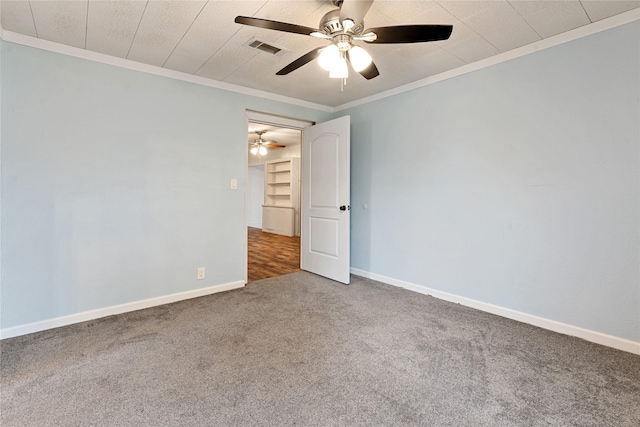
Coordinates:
<point>201,38</point>
<point>282,136</point>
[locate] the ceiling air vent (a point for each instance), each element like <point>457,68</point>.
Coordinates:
<point>266,47</point>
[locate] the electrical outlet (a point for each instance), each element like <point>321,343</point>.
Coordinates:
<point>200,273</point>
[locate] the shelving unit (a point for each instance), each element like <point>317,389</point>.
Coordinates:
<point>281,209</point>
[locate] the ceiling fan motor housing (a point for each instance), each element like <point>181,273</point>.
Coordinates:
<point>330,24</point>
<point>343,41</point>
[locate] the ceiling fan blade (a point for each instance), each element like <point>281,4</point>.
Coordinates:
<point>354,10</point>
<point>410,33</point>
<point>275,25</point>
<point>304,59</point>
<point>274,145</point>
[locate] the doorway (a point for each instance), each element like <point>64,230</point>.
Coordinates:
<point>273,195</point>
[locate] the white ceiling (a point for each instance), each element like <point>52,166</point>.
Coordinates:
<point>283,136</point>
<point>201,38</point>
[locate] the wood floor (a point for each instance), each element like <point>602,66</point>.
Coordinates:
<point>272,255</point>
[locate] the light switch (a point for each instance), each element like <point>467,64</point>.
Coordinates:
<point>234,184</point>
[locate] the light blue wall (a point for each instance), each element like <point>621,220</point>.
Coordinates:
<point>516,185</point>
<point>115,184</point>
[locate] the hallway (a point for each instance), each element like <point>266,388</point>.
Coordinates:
<point>272,255</point>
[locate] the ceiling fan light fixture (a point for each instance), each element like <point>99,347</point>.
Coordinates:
<point>261,150</point>
<point>329,56</point>
<point>340,70</point>
<point>359,58</point>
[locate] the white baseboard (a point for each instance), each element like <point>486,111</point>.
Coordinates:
<point>541,322</point>
<point>29,328</point>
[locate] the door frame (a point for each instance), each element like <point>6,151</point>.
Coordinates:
<point>269,119</point>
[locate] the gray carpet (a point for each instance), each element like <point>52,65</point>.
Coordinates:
<point>302,350</point>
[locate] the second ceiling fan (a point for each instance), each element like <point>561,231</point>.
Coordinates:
<point>342,27</point>
<point>259,146</point>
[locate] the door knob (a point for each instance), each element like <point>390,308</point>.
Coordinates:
<point>344,208</point>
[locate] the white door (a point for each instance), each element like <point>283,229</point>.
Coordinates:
<point>324,241</point>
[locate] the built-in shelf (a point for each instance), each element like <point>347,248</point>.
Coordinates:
<point>281,202</point>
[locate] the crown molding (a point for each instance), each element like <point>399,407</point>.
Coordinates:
<point>76,52</point>
<point>580,32</point>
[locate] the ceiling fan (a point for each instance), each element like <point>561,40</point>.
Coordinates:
<point>342,27</point>
<point>259,146</point>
